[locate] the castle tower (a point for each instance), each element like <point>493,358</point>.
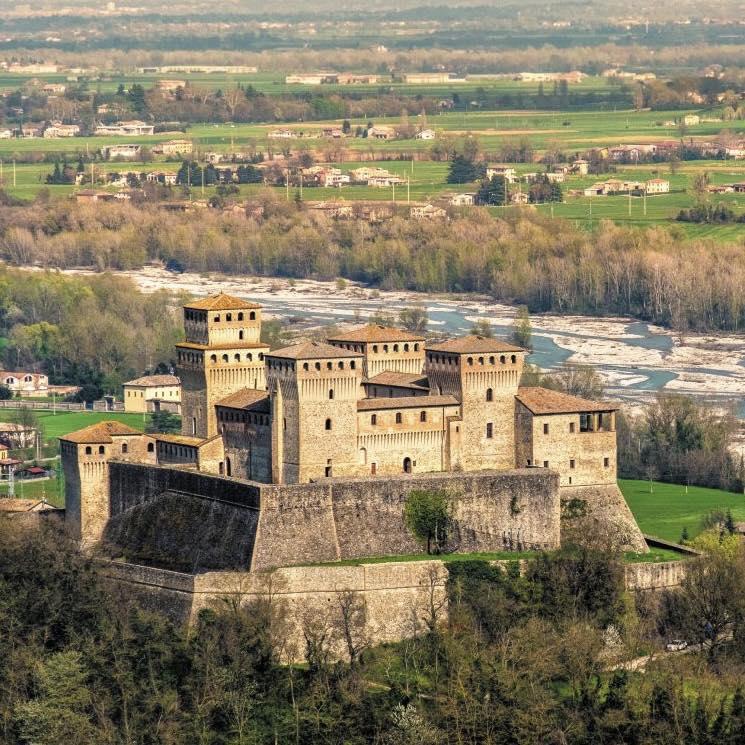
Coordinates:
<point>85,463</point>
<point>314,390</point>
<point>385,349</point>
<point>222,354</point>
<point>484,375</point>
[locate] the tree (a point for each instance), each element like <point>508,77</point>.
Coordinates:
<point>5,393</point>
<point>414,318</point>
<point>522,332</point>
<point>699,187</point>
<point>493,191</point>
<point>462,170</point>
<point>428,516</point>
<point>482,327</point>
<point>164,422</point>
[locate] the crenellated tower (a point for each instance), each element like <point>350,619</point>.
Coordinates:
<point>484,375</point>
<point>222,354</point>
<point>314,389</point>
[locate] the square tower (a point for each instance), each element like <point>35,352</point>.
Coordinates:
<point>385,349</point>
<point>484,375</point>
<point>222,354</point>
<point>314,389</point>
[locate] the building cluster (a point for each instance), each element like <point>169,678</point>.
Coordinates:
<point>373,401</point>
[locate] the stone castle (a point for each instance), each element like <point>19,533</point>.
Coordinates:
<point>318,439</point>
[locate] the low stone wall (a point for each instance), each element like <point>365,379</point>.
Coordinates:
<point>391,601</point>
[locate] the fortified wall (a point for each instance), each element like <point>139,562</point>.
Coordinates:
<point>192,521</point>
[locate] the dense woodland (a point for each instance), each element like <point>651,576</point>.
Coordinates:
<point>519,256</point>
<point>521,660</point>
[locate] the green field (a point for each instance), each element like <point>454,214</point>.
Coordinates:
<point>62,423</point>
<point>668,509</point>
<point>49,489</point>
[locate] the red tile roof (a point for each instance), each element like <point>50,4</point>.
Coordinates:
<point>100,433</point>
<point>399,380</point>
<point>405,402</point>
<point>246,398</point>
<point>221,301</point>
<point>546,401</point>
<point>375,333</point>
<point>311,350</point>
<point>473,344</point>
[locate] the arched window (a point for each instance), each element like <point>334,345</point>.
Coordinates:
<point>125,447</point>
<point>331,394</point>
<point>213,358</point>
<point>470,360</point>
<point>503,359</point>
<point>237,358</point>
<point>395,347</point>
<point>229,317</point>
<point>489,394</point>
<point>363,456</point>
<point>341,365</point>
<point>151,447</point>
<point>252,316</point>
<point>491,360</point>
<point>240,334</point>
<point>407,465</point>
<point>101,450</point>
<point>88,450</point>
<point>240,316</point>
<point>318,365</point>
<point>352,365</point>
<point>221,468</point>
<point>375,348</point>
<point>513,359</point>
<point>329,365</point>
<point>225,358</point>
<point>328,424</point>
<point>481,360</point>
<point>228,467</point>
<point>406,347</point>
<point>416,347</point>
<point>385,347</point>
<point>217,319</point>
<point>306,366</point>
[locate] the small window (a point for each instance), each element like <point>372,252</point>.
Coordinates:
<point>395,347</point>
<point>213,358</point>
<point>151,447</point>
<point>125,447</point>
<point>416,347</point>
<point>88,450</point>
<point>489,394</point>
<point>423,416</point>
<point>252,316</point>
<point>406,347</point>
<point>571,428</point>
<point>470,360</point>
<point>545,428</point>
<point>101,450</point>
<point>240,334</point>
<point>331,394</point>
<point>513,359</point>
<point>329,365</point>
<point>352,365</point>
<point>225,358</point>
<point>318,365</point>
<point>341,365</point>
<point>240,316</point>
<point>398,417</point>
<point>606,462</point>
<point>374,419</point>
<point>545,464</point>
<point>489,431</point>
<point>229,317</point>
<point>217,319</point>
<point>305,366</point>
<point>328,424</point>
<point>571,463</point>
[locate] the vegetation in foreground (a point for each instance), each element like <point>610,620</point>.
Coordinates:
<point>521,659</point>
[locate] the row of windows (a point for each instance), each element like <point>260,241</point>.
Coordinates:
<point>242,416</point>
<point>237,358</point>
<point>586,424</point>
<point>125,449</point>
<point>573,463</point>
<point>399,418</point>
<point>239,317</point>
<point>11,381</point>
<point>278,365</point>
<point>450,360</point>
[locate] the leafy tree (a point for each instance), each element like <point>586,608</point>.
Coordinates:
<point>522,331</point>
<point>482,327</point>
<point>414,318</point>
<point>428,516</point>
<point>5,393</point>
<point>164,422</point>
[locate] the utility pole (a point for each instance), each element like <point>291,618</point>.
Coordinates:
<point>11,482</point>
<point>301,184</point>
<point>629,203</point>
<point>645,202</point>
<point>408,189</point>
<point>393,186</point>
<point>14,174</point>
<point>202,181</point>
<point>287,184</point>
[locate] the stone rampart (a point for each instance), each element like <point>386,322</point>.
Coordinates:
<point>190,521</point>
<point>395,600</point>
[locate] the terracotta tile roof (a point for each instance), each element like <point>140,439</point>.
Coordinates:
<point>221,301</point>
<point>400,380</point>
<point>473,344</point>
<point>311,350</point>
<point>100,433</point>
<point>546,401</point>
<point>246,398</point>
<point>193,442</point>
<point>373,332</point>
<point>155,380</point>
<point>406,402</point>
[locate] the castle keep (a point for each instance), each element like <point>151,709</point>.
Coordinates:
<point>306,451</point>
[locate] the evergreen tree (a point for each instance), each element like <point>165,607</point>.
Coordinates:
<point>493,191</point>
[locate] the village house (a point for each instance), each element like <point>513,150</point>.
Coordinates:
<point>57,129</point>
<point>90,195</point>
<point>123,152</point>
<point>519,197</point>
<point>384,182</point>
<point>657,186</point>
<point>365,173</point>
<point>555,177</point>
<point>353,78</point>
<point>153,393</point>
<point>508,173</point>
<point>462,200</point>
<point>426,78</point>
<point>162,177</point>
<point>381,133</point>
<point>6,134</point>
<point>427,212</point>
<point>25,383</point>
<point>133,128</point>
<point>312,78</point>
<point>334,177</point>
<point>16,435</point>
<point>580,167</point>
<point>54,89</point>
<point>174,147</point>
<point>282,134</point>
<point>691,120</point>
<point>171,86</point>
<point>332,209</point>
<point>333,133</point>
<point>31,130</point>
<point>426,134</point>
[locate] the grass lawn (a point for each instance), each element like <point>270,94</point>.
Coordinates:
<point>668,509</point>
<point>50,489</point>
<point>62,423</point>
